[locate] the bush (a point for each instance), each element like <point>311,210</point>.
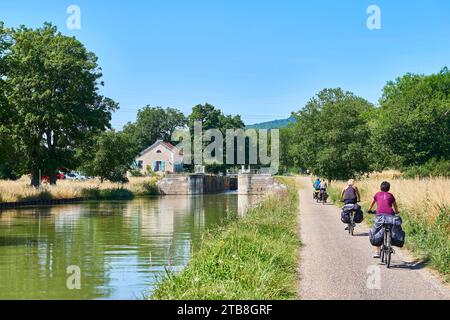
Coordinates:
<point>136,172</point>
<point>215,168</point>
<point>433,168</point>
<point>151,188</point>
<point>43,195</point>
<point>107,194</point>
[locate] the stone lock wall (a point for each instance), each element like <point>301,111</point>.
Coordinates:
<point>259,184</point>
<point>195,184</point>
<point>256,184</point>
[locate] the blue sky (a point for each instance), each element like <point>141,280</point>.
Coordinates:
<point>260,59</point>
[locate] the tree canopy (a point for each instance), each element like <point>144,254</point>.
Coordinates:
<point>52,116</point>
<point>330,136</point>
<point>413,122</point>
<point>51,85</point>
<point>110,157</point>
<point>153,123</point>
<point>213,118</point>
<point>339,135</point>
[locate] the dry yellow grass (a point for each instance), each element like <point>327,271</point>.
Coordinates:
<point>12,191</point>
<point>428,197</point>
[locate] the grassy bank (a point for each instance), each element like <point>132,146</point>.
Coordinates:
<point>425,209</point>
<point>21,191</point>
<point>250,258</point>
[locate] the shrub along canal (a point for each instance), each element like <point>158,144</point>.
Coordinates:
<point>122,248</point>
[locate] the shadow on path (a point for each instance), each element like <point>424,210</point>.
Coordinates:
<point>414,265</point>
<point>363,234</point>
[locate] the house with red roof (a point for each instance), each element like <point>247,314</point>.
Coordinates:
<point>161,157</point>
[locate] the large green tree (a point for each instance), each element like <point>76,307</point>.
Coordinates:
<point>153,123</point>
<point>211,117</point>
<point>8,157</point>
<point>208,115</point>
<point>413,123</point>
<point>110,157</point>
<point>330,136</point>
<point>51,86</point>
<point>288,158</point>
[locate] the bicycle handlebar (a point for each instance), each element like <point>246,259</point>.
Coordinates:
<point>374,212</point>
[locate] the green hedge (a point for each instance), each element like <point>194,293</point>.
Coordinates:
<point>433,168</point>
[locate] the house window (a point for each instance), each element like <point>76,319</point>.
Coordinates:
<point>159,166</point>
<point>140,164</point>
<point>159,151</point>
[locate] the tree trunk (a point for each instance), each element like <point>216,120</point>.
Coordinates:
<point>53,179</point>
<point>51,145</point>
<point>35,158</point>
<point>35,182</point>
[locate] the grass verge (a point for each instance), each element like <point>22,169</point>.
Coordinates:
<point>253,258</point>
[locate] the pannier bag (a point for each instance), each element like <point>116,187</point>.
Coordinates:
<point>398,235</point>
<point>376,233</point>
<point>345,215</point>
<point>376,237</point>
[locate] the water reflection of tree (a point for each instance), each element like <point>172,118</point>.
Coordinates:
<point>40,246</point>
<point>37,245</point>
<point>174,225</point>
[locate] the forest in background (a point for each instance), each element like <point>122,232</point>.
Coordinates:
<point>53,117</point>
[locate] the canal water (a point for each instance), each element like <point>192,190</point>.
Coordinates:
<point>121,249</point>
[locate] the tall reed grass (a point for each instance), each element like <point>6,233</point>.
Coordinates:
<point>20,191</point>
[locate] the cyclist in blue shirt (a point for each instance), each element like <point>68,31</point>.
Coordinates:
<point>317,184</point>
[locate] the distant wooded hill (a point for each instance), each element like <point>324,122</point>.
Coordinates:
<point>275,124</point>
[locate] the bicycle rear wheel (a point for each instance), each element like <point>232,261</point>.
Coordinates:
<point>383,249</point>
<point>351,226</point>
<point>388,250</point>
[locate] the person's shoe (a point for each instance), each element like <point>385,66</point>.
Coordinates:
<point>346,228</point>
<point>376,255</point>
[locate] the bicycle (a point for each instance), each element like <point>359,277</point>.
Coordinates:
<point>351,224</point>
<point>386,247</point>
<point>315,194</point>
<point>323,196</point>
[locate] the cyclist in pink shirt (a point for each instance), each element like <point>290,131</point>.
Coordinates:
<point>386,205</point>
